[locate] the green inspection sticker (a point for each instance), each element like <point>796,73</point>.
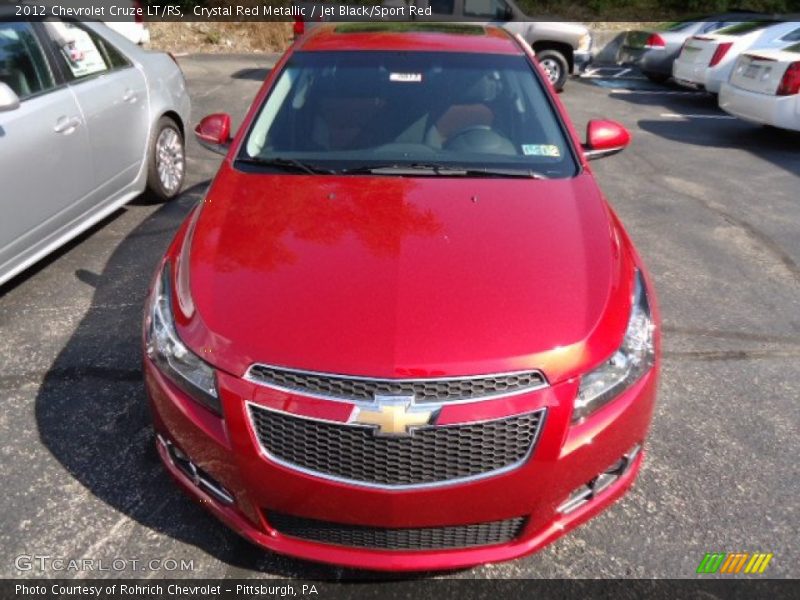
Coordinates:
<point>541,150</point>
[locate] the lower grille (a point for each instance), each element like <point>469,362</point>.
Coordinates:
<point>432,455</point>
<point>417,538</point>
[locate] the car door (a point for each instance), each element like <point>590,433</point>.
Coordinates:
<point>112,94</point>
<point>45,162</point>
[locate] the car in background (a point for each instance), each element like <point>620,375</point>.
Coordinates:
<point>706,61</point>
<point>405,330</point>
<point>765,88</point>
<point>654,50</point>
<point>133,28</point>
<point>88,121</point>
<point>563,48</point>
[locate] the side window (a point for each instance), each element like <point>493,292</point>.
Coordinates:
<point>114,57</point>
<point>23,66</point>
<point>488,9</point>
<point>712,26</point>
<point>84,53</point>
<point>793,36</point>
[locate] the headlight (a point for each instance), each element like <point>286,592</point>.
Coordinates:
<point>634,357</point>
<point>175,360</point>
<point>585,43</point>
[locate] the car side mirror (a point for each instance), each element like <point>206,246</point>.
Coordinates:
<point>507,14</point>
<point>214,132</point>
<point>8,98</point>
<point>604,138</point>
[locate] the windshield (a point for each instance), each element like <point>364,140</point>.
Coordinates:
<point>344,111</point>
<point>744,28</point>
<point>678,26</point>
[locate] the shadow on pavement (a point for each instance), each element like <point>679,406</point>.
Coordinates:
<point>252,74</point>
<point>56,254</point>
<point>780,147</point>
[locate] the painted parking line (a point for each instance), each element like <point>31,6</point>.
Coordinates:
<point>609,73</point>
<point>698,116</point>
<point>658,92</point>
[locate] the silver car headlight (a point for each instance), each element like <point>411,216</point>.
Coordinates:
<point>632,360</point>
<point>168,352</point>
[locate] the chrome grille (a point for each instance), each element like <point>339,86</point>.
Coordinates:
<point>363,389</point>
<point>407,538</point>
<point>432,455</point>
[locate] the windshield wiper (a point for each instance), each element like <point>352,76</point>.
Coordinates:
<point>285,164</point>
<point>492,172</point>
<point>440,170</point>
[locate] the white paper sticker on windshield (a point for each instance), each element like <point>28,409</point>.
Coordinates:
<point>406,77</point>
<point>541,150</point>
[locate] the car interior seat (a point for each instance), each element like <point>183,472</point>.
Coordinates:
<point>15,78</point>
<point>472,108</point>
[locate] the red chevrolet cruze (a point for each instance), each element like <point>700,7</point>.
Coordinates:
<point>404,330</point>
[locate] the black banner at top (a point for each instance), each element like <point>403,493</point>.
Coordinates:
<point>402,10</point>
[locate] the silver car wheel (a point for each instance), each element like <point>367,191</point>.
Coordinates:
<point>552,68</point>
<point>170,160</point>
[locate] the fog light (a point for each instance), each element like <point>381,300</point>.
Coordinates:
<point>195,474</point>
<point>587,492</point>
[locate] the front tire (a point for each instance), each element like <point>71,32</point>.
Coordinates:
<point>166,163</point>
<point>556,67</point>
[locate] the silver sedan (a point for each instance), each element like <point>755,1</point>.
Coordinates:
<point>654,50</point>
<point>88,121</point>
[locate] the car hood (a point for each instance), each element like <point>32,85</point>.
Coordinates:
<point>399,277</point>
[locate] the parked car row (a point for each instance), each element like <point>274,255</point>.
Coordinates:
<point>754,65</point>
<point>655,50</point>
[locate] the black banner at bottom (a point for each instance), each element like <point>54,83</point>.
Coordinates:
<point>407,589</point>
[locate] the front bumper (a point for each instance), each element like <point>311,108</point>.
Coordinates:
<point>564,459</point>
<point>582,60</point>
<point>778,111</point>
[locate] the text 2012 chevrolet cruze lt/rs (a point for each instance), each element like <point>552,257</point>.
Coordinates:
<point>404,330</point>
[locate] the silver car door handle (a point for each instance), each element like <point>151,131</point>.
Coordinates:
<point>67,125</point>
<point>130,96</point>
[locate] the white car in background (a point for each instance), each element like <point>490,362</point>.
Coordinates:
<point>134,28</point>
<point>765,88</point>
<point>706,61</point>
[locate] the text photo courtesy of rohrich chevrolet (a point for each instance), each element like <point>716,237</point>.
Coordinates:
<point>454,297</point>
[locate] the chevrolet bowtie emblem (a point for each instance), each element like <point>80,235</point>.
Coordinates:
<point>393,415</point>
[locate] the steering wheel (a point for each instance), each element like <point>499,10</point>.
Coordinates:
<point>466,130</point>
<point>479,139</point>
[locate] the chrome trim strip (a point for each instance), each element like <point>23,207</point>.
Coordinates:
<point>214,490</point>
<point>542,412</point>
<point>249,377</point>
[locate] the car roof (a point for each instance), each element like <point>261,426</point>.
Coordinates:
<point>413,37</point>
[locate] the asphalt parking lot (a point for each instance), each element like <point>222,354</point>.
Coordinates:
<point>713,205</point>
